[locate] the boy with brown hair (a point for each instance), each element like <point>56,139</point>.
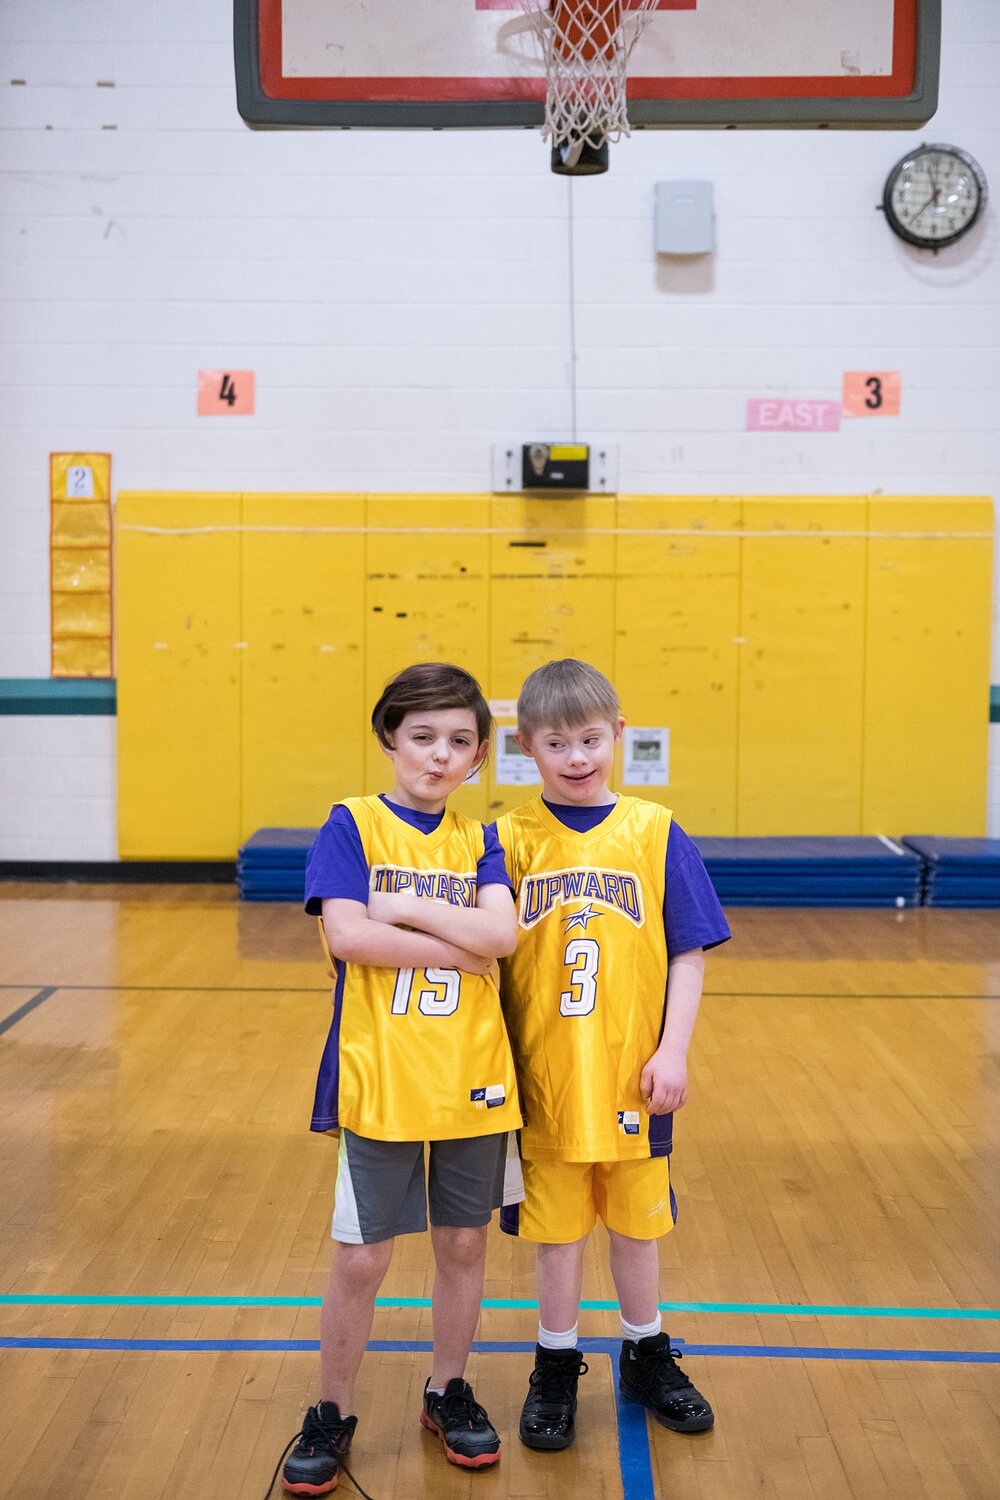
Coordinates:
<point>417,1053</point>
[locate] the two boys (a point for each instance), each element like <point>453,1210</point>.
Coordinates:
<point>415,904</point>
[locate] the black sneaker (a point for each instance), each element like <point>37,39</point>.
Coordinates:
<point>455,1416</point>
<point>547,1417</point>
<point>324,1442</point>
<point>648,1373</point>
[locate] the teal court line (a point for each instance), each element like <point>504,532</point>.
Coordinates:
<point>507,1304</point>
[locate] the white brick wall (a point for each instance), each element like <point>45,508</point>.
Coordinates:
<point>58,788</point>
<point>403,300</point>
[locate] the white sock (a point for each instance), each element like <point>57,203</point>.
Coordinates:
<point>565,1340</point>
<point>634,1332</point>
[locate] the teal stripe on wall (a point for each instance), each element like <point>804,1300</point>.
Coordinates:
<point>58,695</point>
<point>99,695</point>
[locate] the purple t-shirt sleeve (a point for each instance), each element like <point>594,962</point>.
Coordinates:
<point>335,865</point>
<point>491,869</point>
<point>692,915</point>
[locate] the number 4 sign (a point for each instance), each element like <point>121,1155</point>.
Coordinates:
<point>225,393</point>
<point>871,393</point>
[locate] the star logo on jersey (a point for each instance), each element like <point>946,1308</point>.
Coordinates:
<point>581,918</point>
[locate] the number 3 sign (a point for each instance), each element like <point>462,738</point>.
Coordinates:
<point>871,393</point>
<point>225,393</point>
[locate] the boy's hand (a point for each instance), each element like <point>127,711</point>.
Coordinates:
<point>663,1083</point>
<point>386,906</point>
<point>468,963</point>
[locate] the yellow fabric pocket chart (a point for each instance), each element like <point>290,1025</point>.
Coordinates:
<point>80,564</point>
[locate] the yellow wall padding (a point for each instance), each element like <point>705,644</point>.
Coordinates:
<point>677,618</point>
<point>552,592</point>
<point>180,675</point>
<point>926,744</point>
<point>821,662</point>
<point>802,652</point>
<point>303,657</point>
<point>427,598</point>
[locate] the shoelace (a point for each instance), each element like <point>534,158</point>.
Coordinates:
<point>288,1448</point>
<point>554,1383</point>
<point>665,1372</point>
<point>457,1407</point>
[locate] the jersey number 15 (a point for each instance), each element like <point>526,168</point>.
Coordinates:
<point>442,1000</point>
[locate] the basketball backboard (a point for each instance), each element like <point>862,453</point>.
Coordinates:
<point>700,63</point>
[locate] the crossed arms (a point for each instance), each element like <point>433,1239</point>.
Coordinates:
<point>469,938</point>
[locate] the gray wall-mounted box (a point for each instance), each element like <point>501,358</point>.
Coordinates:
<point>684,219</point>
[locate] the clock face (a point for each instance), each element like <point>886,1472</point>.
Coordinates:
<point>934,196</point>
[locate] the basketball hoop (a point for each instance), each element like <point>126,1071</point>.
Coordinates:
<point>586,46</point>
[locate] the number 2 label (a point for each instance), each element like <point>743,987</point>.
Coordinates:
<point>79,482</point>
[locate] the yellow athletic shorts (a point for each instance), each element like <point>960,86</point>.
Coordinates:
<point>564,1199</point>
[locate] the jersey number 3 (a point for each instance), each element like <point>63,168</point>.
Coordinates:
<point>442,1000</point>
<point>584,955</point>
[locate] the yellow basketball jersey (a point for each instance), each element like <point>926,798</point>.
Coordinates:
<point>418,1054</point>
<point>584,992</point>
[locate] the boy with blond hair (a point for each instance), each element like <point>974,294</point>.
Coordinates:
<point>615,910</point>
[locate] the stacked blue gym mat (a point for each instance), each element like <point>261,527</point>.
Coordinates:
<point>745,872</point>
<point>272,864</point>
<point>812,871</point>
<point>959,872</point>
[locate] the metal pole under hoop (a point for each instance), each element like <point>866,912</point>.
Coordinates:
<point>580,159</point>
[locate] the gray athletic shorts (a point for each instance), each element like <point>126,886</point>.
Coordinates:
<point>381,1190</point>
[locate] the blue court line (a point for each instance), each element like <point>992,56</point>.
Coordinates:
<point>26,1008</point>
<point>509,1304</point>
<point>633,1446</point>
<point>588,1346</point>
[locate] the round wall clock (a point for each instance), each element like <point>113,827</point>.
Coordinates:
<point>934,196</point>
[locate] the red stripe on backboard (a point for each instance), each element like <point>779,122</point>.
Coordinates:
<point>269,48</point>
<point>386,90</point>
<point>412,90</point>
<point>629,5</point>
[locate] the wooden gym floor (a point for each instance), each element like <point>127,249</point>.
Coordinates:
<point>165,1219</point>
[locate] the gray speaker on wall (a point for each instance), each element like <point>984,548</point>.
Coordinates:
<point>684,218</point>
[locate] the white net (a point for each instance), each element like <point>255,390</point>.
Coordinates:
<point>586,46</point>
